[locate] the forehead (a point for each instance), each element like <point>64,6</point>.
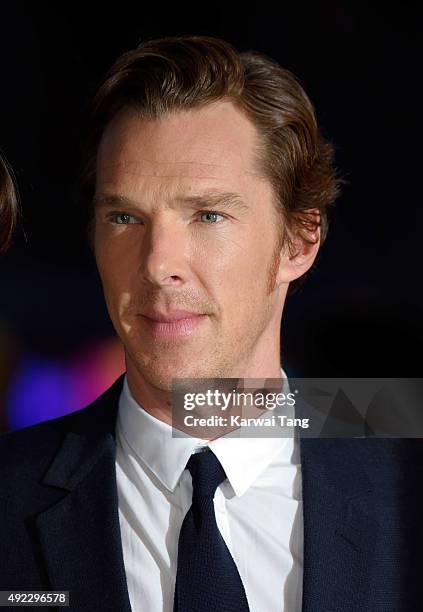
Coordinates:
<point>216,142</point>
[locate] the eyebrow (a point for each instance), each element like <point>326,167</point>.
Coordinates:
<point>208,200</point>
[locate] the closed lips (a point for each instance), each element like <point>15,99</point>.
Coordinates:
<point>177,315</point>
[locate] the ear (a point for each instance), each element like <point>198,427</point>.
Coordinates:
<point>305,244</point>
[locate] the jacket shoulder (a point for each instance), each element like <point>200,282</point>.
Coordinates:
<point>27,453</point>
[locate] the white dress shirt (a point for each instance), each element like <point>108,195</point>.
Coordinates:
<point>258,509</point>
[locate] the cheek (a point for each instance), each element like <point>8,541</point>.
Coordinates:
<point>113,273</point>
<point>235,251</point>
<point>238,284</point>
<point>243,267</point>
<point>104,264</point>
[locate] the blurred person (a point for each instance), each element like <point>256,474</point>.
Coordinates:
<point>8,206</point>
<point>8,217</point>
<point>207,185</point>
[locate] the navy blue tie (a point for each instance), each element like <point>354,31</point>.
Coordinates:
<point>207,578</point>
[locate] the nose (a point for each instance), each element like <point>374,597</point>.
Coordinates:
<point>164,253</point>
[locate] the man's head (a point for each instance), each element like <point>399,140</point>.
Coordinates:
<point>209,184</point>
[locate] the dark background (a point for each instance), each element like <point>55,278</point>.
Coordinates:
<point>360,311</point>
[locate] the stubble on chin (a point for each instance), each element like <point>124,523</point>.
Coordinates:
<point>165,363</point>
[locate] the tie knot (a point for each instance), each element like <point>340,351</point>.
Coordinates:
<point>207,473</point>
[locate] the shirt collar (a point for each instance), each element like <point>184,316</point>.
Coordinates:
<point>243,459</point>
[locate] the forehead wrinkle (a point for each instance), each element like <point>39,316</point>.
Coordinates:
<point>141,172</point>
<point>160,176</point>
<point>150,161</point>
<point>139,161</point>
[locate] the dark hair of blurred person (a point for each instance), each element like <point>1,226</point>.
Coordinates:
<point>8,205</point>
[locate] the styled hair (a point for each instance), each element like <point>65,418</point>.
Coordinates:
<point>172,74</point>
<point>8,205</point>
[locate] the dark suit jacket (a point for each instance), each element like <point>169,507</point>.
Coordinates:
<point>59,525</point>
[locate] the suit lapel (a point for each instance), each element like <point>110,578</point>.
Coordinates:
<point>79,536</point>
<point>339,535</point>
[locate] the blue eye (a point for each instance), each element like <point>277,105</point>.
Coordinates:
<point>123,218</point>
<point>212,216</point>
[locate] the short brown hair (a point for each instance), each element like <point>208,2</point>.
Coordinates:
<point>8,205</point>
<point>183,72</point>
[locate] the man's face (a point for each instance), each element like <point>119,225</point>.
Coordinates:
<point>160,249</point>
